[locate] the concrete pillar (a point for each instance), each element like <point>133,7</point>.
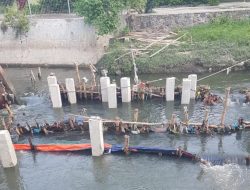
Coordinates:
<point>170,87</point>
<point>186,90</point>
<point>55,95</point>
<point>193,79</point>
<point>112,97</point>
<point>7,151</point>
<point>71,90</point>
<point>96,136</point>
<point>125,89</point>
<point>104,82</point>
<point>51,79</point>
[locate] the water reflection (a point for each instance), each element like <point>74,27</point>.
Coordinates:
<point>12,178</point>
<point>100,168</point>
<point>220,145</point>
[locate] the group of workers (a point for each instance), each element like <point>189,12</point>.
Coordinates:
<point>80,123</point>
<point>203,94</point>
<point>69,124</point>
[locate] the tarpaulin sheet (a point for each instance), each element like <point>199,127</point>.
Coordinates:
<point>57,147</point>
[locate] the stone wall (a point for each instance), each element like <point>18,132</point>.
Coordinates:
<point>167,22</point>
<point>52,40</point>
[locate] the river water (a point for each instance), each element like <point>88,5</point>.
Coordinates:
<point>62,171</point>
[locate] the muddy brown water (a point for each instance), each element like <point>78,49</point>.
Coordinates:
<point>77,171</point>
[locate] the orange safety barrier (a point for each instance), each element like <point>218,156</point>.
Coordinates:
<point>57,147</point>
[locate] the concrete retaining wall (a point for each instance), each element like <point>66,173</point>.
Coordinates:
<point>53,40</point>
<point>163,22</point>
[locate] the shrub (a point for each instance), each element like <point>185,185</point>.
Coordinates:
<point>15,19</point>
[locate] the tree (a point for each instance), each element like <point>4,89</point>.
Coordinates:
<point>149,6</point>
<point>105,14</point>
<point>54,6</point>
<point>138,5</point>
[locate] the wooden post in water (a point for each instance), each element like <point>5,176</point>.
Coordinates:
<point>63,91</point>
<point>126,144</point>
<point>79,80</point>
<point>4,124</point>
<point>206,115</point>
<point>206,118</point>
<point>39,74</point>
<point>32,77</point>
<point>93,85</point>
<point>186,116</point>
<point>223,115</point>
<point>136,113</point>
<point>172,122</point>
<point>84,81</point>
<point>135,129</point>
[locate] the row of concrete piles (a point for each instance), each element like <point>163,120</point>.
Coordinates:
<point>8,156</point>
<point>109,90</point>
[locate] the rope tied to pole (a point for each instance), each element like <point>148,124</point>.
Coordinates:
<point>226,69</point>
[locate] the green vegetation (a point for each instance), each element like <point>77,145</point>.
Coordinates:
<point>220,43</point>
<point>4,4</point>
<point>221,29</point>
<point>15,19</point>
<point>105,14</point>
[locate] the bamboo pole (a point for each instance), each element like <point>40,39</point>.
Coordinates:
<point>167,46</point>
<point>123,122</point>
<point>223,115</point>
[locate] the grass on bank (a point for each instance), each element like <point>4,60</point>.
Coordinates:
<point>221,29</point>
<point>220,43</point>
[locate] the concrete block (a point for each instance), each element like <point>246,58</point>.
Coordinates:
<point>186,90</point>
<point>112,98</point>
<point>96,136</point>
<point>7,151</point>
<point>71,91</point>
<point>193,79</point>
<point>104,82</point>
<point>51,80</point>
<point>125,89</point>
<point>55,95</point>
<point>170,87</point>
